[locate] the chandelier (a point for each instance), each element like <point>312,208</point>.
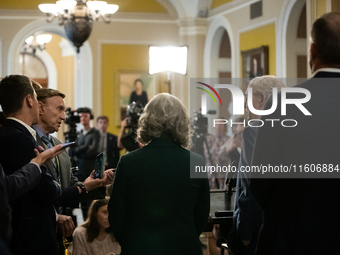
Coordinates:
<point>36,41</point>
<point>77,17</point>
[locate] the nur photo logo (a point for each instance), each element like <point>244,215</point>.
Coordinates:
<point>238,102</point>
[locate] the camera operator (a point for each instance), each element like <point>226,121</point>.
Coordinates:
<point>128,134</point>
<point>88,144</point>
<point>85,153</point>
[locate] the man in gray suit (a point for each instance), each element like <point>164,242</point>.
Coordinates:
<point>51,114</point>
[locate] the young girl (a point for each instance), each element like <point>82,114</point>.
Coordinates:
<point>92,237</point>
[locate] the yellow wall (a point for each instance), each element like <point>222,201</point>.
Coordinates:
<point>151,6</point>
<point>65,70</point>
<point>217,3</point>
<point>320,8</point>
<point>256,38</point>
<point>118,57</point>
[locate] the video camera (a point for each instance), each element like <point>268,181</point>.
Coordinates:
<point>133,113</point>
<point>200,123</point>
<point>72,118</point>
<point>200,127</point>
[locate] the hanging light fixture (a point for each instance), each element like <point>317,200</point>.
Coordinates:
<point>77,17</point>
<point>36,41</point>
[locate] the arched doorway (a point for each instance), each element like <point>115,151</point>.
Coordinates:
<point>83,88</point>
<point>219,63</point>
<point>296,41</point>
<point>286,36</point>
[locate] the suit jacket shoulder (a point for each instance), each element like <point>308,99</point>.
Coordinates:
<point>16,140</point>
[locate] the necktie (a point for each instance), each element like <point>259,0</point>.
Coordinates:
<point>102,143</point>
<point>48,143</point>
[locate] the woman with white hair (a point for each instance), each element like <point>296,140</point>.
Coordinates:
<point>155,207</point>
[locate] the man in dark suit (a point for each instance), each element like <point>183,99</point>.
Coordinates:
<point>51,115</point>
<point>88,144</point>
<point>301,216</point>
<point>247,214</point>
<point>17,184</point>
<point>85,153</point>
<point>33,214</point>
<point>108,143</point>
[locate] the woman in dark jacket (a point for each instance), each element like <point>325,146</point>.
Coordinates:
<point>155,207</point>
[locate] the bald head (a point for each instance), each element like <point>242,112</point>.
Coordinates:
<point>326,38</point>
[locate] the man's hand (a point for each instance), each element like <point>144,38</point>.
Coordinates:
<point>90,183</point>
<point>46,155</point>
<point>123,124</point>
<point>65,225</point>
<point>108,177</point>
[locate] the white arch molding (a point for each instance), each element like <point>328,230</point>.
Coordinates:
<point>281,36</point>
<point>83,77</point>
<point>52,73</point>
<point>215,30</point>
<point>216,24</point>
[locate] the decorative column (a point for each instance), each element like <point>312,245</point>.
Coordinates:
<point>192,34</point>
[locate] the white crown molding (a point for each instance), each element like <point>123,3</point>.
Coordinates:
<point>257,25</point>
<point>193,26</point>
<point>230,7</point>
<point>194,30</point>
<point>169,7</point>
<point>134,42</point>
<point>117,17</point>
<point>21,14</point>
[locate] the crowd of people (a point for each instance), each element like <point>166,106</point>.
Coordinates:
<point>291,214</point>
<point>37,212</point>
<point>154,206</point>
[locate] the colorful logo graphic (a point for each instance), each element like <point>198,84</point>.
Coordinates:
<point>212,89</point>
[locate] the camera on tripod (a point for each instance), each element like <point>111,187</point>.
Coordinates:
<point>133,113</point>
<point>200,123</point>
<point>200,127</point>
<point>72,118</point>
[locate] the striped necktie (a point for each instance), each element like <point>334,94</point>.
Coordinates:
<point>48,143</point>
